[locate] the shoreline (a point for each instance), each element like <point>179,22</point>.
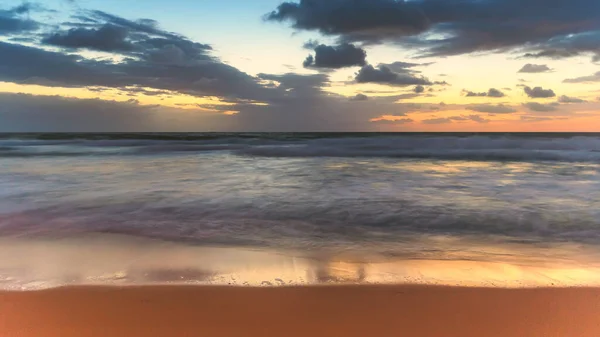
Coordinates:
<point>299,311</point>
<point>113,260</point>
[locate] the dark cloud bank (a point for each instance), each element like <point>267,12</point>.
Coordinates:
<point>538,28</point>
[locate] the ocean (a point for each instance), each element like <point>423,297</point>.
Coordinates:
<point>514,209</point>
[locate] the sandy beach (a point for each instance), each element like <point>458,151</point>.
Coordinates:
<point>328,311</point>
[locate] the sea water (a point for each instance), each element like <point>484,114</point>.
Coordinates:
<point>299,208</point>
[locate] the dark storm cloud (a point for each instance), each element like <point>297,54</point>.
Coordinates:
<point>534,106</point>
<point>490,93</point>
<point>539,92</point>
<point>106,38</point>
<point>567,99</point>
<point>534,68</point>
<point>493,109</point>
<point>335,57</point>
<point>464,26</point>
<point>15,20</point>
<point>584,79</point>
<point>384,75</point>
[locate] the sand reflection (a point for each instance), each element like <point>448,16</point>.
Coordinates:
<point>36,263</point>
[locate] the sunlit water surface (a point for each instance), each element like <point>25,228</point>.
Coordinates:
<point>470,209</point>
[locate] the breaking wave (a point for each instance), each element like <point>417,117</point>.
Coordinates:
<point>495,147</point>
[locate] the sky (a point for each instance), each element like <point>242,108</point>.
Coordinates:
<point>299,65</point>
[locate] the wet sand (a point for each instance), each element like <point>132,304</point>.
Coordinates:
<point>310,311</point>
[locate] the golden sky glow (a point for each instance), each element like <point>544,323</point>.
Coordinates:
<point>162,97</point>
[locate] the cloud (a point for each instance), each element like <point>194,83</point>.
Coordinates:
<point>584,79</point>
<point>476,94</point>
<point>359,20</point>
<point>106,38</point>
<point>383,74</point>
<point>306,106</point>
<point>534,68</point>
<point>143,38</point>
<point>437,121</point>
<point>359,97</point>
<point>478,119</point>
<point>490,93</point>
<point>311,44</point>
<point>567,99</point>
<point>302,106</point>
<point>147,26</point>
<point>148,60</point>
<point>31,65</point>
<point>534,106</point>
<point>392,121</point>
<point>400,66</point>
<point>452,27</point>
<point>539,92</point>
<point>495,93</point>
<point>493,109</point>
<point>535,119</point>
<point>12,21</point>
<point>554,54</point>
<point>461,118</point>
<point>419,89</point>
<point>29,113</point>
<point>569,45</point>
<point>335,57</point>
